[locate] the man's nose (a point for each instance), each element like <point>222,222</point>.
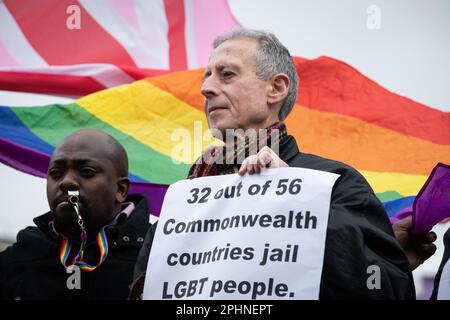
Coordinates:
<point>69,181</point>
<point>209,87</point>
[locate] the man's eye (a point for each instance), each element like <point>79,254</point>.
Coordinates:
<point>55,173</point>
<point>206,75</point>
<point>227,74</point>
<point>88,172</point>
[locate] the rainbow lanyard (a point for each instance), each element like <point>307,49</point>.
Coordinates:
<point>66,246</point>
<point>78,260</point>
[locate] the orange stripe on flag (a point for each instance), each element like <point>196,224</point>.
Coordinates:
<point>363,145</point>
<point>184,85</point>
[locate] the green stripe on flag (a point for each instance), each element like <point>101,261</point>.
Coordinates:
<point>388,196</point>
<point>52,123</point>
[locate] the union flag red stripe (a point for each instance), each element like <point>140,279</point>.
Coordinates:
<point>176,20</point>
<point>44,25</point>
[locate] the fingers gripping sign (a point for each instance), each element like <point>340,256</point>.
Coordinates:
<point>265,158</point>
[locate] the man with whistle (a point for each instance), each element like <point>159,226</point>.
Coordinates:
<point>87,245</point>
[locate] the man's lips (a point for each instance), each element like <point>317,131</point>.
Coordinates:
<point>62,200</point>
<point>215,108</point>
<point>63,206</point>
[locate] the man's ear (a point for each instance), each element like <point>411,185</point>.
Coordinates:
<point>123,186</point>
<point>279,88</point>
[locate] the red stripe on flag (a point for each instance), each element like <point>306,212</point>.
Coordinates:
<point>139,73</point>
<point>44,25</point>
<point>331,85</point>
<point>177,43</point>
<point>48,83</point>
<point>63,84</point>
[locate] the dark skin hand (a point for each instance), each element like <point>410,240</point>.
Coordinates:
<point>417,247</point>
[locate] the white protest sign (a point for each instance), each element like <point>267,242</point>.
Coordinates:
<point>260,236</point>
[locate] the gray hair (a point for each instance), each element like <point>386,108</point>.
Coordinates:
<point>272,57</point>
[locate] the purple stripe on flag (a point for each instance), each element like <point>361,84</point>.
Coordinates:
<point>23,158</point>
<point>153,192</point>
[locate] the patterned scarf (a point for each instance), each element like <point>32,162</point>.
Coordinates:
<point>227,159</point>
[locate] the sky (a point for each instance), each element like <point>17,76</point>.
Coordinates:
<point>407,52</point>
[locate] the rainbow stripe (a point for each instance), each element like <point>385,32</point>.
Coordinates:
<point>64,252</point>
<point>340,114</point>
<point>78,260</point>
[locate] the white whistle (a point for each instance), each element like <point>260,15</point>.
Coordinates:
<point>74,199</point>
<point>73,196</point>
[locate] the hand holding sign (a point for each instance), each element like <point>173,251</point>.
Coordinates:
<point>228,237</point>
<point>265,158</point>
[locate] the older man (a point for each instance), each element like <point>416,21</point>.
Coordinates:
<point>87,245</point>
<point>250,82</point>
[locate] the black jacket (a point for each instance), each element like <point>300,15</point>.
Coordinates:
<point>359,235</point>
<point>444,261</point>
<point>31,269</point>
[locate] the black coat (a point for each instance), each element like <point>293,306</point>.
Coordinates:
<point>31,269</point>
<point>359,234</point>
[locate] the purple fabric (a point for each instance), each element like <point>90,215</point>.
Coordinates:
<point>432,204</point>
<point>36,163</point>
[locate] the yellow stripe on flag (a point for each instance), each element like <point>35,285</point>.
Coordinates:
<point>153,117</point>
<point>404,184</point>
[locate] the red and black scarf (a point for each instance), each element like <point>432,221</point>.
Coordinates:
<point>228,158</point>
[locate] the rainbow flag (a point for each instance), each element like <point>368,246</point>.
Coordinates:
<point>340,114</point>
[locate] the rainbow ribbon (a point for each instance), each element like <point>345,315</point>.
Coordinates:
<point>78,260</point>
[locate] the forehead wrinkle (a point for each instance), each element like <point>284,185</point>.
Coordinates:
<point>239,47</point>
<point>78,154</point>
<point>237,62</point>
<point>62,160</point>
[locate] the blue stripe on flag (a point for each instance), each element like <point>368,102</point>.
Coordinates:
<point>13,129</point>
<point>394,206</point>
